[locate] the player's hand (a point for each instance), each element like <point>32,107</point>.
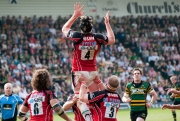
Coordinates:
<point>78,10</point>
<point>81,78</point>
<point>172,96</point>
<point>74,99</point>
<point>106,18</point>
<point>97,80</point>
<point>172,90</point>
<point>148,105</point>
<point>165,106</point>
<point>128,100</point>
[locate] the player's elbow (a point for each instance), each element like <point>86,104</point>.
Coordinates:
<point>111,41</point>
<point>63,30</point>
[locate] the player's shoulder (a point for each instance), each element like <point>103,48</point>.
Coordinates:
<point>129,84</point>
<point>15,95</point>
<point>145,83</point>
<point>1,96</point>
<point>74,34</point>
<point>177,84</point>
<point>100,36</point>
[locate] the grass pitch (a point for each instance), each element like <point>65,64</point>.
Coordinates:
<point>155,114</point>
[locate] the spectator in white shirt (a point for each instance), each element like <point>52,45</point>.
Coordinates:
<point>38,64</point>
<point>21,66</point>
<point>139,62</point>
<point>52,30</point>
<point>121,48</point>
<point>23,93</point>
<point>112,58</point>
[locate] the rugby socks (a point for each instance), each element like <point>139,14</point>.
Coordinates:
<point>86,113</point>
<point>174,115</point>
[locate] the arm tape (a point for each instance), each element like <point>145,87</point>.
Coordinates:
<point>56,105</point>
<point>60,111</point>
<point>22,114</point>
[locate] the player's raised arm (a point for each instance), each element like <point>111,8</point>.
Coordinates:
<point>110,32</point>
<point>78,11</point>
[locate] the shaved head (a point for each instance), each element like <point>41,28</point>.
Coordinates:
<point>8,89</point>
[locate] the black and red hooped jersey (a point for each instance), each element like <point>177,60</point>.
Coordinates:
<point>106,105</point>
<point>86,47</point>
<point>39,105</point>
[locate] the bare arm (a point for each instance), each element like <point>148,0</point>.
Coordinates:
<point>172,90</point>
<point>110,32</point>
<point>154,96</point>
<point>70,103</point>
<point>168,106</point>
<point>22,112</point>
<point>153,99</point>
<point>99,83</point>
<point>126,98</point>
<point>58,109</point>
<point>83,96</point>
<point>77,13</point>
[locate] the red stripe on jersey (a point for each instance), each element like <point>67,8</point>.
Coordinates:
<point>77,114</point>
<point>97,98</point>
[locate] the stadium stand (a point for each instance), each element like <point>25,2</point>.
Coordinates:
<point>147,42</point>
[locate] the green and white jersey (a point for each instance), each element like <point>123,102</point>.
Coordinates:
<point>138,94</point>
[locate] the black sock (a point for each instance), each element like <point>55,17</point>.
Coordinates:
<point>174,115</point>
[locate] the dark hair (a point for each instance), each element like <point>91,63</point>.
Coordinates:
<point>41,80</point>
<point>86,24</point>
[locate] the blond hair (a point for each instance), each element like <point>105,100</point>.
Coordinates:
<point>113,83</point>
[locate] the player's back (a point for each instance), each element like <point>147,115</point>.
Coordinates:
<point>38,103</point>
<point>86,47</point>
<point>107,106</point>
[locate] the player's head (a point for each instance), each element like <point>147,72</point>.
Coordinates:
<point>112,83</point>
<point>8,89</point>
<point>137,74</point>
<point>173,79</point>
<point>41,80</point>
<point>86,24</point>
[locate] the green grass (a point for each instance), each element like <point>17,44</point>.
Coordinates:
<point>153,115</point>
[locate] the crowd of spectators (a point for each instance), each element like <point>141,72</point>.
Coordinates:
<point>147,42</point>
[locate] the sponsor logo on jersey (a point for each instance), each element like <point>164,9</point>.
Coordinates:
<point>7,106</point>
<point>112,95</point>
<point>139,91</point>
<point>88,47</point>
<point>35,100</point>
<point>110,104</point>
<point>114,100</point>
<point>88,38</point>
